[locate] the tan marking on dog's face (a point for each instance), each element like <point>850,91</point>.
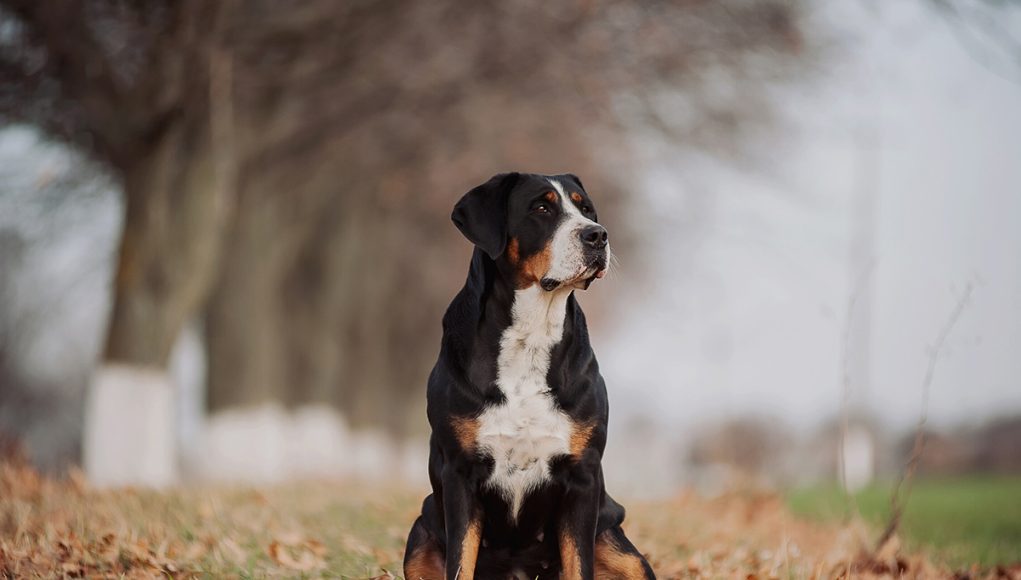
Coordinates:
<point>512,251</point>
<point>426,563</point>
<point>534,267</point>
<point>466,429</point>
<point>551,196</point>
<point>581,434</point>
<point>575,197</point>
<point>570,559</point>
<point>470,549</point>
<point>611,562</point>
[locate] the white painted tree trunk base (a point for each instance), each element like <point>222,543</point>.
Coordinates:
<point>129,436</point>
<point>859,458</point>
<point>270,444</point>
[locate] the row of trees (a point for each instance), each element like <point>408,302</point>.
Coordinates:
<point>288,168</point>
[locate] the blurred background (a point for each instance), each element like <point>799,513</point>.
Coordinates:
<point>225,243</point>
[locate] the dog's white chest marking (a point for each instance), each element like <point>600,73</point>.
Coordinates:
<point>526,431</point>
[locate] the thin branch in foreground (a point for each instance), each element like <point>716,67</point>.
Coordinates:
<point>898,501</point>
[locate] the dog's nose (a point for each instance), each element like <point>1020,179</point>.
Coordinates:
<point>594,236</point>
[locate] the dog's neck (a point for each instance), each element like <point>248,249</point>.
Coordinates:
<point>531,310</point>
<point>492,304</point>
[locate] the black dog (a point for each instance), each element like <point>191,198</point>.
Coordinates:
<point>517,406</point>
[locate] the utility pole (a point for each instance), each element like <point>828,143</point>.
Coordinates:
<point>859,442</point>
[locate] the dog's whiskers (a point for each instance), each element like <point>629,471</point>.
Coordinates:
<point>612,265</point>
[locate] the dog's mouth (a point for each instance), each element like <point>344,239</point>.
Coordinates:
<point>595,269</point>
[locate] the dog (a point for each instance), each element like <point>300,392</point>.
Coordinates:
<point>516,403</point>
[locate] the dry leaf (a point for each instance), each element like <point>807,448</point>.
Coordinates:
<point>306,561</point>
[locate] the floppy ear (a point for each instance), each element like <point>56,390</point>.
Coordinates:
<point>481,214</point>
<point>576,179</point>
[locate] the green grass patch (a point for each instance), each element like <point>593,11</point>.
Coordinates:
<point>957,521</point>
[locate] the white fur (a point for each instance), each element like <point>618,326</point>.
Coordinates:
<point>568,260</point>
<point>528,430</point>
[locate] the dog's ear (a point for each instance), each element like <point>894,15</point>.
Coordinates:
<point>576,180</point>
<point>481,214</point>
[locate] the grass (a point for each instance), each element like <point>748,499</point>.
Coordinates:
<point>957,521</point>
<point>51,528</point>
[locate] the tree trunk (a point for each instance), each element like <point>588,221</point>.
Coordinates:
<point>176,204</point>
<point>168,250</point>
<point>251,382</point>
<point>320,308</point>
<point>244,320</point>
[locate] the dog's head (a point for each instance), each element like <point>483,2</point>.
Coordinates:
<point>544,227</point>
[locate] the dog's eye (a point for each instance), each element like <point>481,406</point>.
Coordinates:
<point>586,208</point>
<point>541,208</point>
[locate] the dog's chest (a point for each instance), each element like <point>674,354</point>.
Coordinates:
<point>525,432</point>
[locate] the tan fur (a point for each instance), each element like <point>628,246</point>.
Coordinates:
<point>570,559</point>
<point>513,254</point>
<point>466,429</point>
<point>551,196</point>
<point>470,549</point>
<point>576,197</point>
<point>426,563</point>
<point>581,433</point>
<point>613,564</point>
<point>535,267</point>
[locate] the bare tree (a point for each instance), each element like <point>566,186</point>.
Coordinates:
<point>296,163</point>
<point>132,84</point>
<point>396,108</point>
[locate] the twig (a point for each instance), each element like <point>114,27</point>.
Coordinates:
<point>972,44</point>
<point>897,501</point>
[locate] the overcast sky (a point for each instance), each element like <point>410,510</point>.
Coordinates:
<point>747,311</point>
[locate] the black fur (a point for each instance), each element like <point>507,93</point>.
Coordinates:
<point>463,384</point>
<point>481,215</point>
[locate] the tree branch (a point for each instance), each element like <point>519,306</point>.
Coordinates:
<point>898,501</point>
<point>78,62</point>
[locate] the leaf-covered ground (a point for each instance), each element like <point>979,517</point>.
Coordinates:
<point>54,528</point>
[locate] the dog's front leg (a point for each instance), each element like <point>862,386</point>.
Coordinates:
<point>578,516</point>
<point>462,513</point>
